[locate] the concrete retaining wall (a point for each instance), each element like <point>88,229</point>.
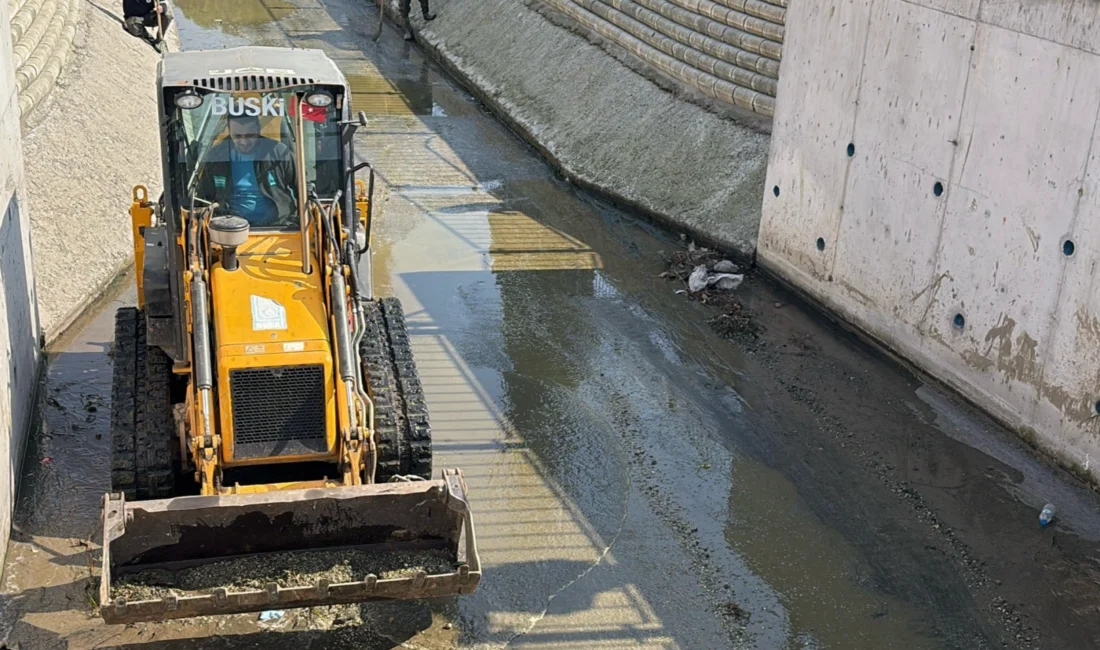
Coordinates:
<point>19,349</point>
<point>605,126</point>
<point>934,178</point>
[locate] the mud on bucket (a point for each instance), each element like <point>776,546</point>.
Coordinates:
<point>210,555</point>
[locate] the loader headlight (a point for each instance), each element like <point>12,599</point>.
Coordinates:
<point>188,99</point>
<point>319,100</point>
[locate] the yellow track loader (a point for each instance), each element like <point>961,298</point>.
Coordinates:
<point>264,401</point>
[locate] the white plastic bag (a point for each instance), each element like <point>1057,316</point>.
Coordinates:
<point>697,281</point>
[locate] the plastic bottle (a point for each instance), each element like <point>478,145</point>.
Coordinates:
<point>1047,515</point>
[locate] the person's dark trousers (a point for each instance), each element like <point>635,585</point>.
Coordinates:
<point>406,7</point>
<point>137,24</point>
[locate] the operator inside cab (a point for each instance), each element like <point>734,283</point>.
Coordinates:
<point>252,176</point>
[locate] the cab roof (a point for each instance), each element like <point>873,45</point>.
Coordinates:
<point>248,68</point>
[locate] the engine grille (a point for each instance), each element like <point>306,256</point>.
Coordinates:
<point>278,411</point>
<point>250,82</point>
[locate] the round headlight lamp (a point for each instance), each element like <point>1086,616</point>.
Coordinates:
<point>188,100</point>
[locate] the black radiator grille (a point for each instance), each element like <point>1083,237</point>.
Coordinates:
<point>278,411</point>
<point>250,82</point>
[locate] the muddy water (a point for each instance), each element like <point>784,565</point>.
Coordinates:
<point>637,482</point>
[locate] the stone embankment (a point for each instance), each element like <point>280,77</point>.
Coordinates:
<point>595,112</point>
<point>42,33</point>
<point>87,142</point>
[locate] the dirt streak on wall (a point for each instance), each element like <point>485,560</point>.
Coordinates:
<point>934,180</point>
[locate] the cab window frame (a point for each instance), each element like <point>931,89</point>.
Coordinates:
<point>189,135</point>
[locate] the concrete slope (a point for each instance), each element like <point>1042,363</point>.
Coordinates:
<point>96,138</point>
<point>603,125</point>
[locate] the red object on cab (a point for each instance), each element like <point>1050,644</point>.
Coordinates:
<point>311,113</point>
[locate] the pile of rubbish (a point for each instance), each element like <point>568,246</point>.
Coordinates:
<point>706,275</point>
<point>711,279</point>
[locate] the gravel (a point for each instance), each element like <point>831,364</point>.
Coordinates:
<point>284,569</point>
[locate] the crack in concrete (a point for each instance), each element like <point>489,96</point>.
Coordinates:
<point>534,621</point>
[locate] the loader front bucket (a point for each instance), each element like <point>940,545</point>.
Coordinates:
<point>176,537</point>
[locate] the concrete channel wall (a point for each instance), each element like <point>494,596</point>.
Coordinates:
<point>935,178</point>
<point>605,126</point>
<point>19,341</point>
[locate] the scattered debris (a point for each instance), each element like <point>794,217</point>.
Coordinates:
<point>271,615</point>
<point>1047,515</point>
<point>682,260</point>
<point>736,325</point>
<point>709,280</point>
<point>730,608</point>
<point>726,281</point>
<point>707,269</point>
<point>697,281</point>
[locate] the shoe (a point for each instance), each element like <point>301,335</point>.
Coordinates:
<point>408,35</point>
<point>134,28</point>
<point>429,17</point>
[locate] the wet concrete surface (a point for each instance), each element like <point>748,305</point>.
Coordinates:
<point>637,481</point>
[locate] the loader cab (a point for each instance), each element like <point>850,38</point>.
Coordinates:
<point>234,123</point>
<point>240,150</point>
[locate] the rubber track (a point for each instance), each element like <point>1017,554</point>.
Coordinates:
<point>142,428</point>
<point>377,361</point>
<point>123,378</point>
<point>416,441</point>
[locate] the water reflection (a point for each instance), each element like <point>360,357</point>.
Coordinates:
<point>813,568</point>
<point>375,94</point>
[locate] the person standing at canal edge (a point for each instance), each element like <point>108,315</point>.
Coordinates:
<point>406,7</point>
<point>140,15</point>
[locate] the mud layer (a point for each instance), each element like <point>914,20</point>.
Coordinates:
<point>284,569</point>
